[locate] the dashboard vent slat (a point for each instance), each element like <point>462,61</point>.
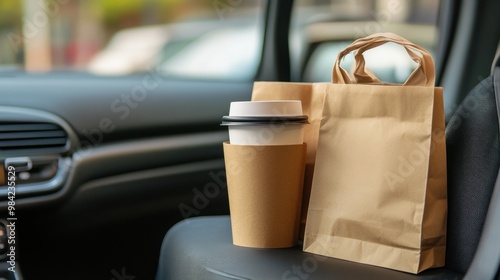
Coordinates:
<point>23,135</point>
<point>31,134</point>
<point>28,127</point>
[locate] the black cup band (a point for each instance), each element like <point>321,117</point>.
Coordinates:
<point>263,120</point>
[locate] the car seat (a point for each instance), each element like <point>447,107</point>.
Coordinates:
<point>201,248</point>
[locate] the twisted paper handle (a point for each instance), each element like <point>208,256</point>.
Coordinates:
<point>423,75</point>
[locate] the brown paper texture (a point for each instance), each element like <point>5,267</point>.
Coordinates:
<point>265,193</point>
<point>311,96</point>
<point>379,190</point>
<point>433,243</point>
<point>2,176</point>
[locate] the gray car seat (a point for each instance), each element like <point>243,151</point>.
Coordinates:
<point>201,248</point>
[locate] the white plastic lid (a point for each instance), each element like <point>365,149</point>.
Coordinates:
<point>266,108</point>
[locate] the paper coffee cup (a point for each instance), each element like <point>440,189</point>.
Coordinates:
<point>278,122</point>
<point>265,161</point>
<point>265,193</point>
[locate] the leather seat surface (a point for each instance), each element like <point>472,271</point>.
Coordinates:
<point>201,248</point>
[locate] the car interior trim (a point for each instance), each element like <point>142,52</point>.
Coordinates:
<point>112,159</point>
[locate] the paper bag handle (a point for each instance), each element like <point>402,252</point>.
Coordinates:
<point>423,75</point>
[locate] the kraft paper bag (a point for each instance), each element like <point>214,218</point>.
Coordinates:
<point>379,189</point>
<point>311,95</point>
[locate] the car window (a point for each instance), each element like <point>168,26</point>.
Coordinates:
<point>194,39</point>
<point>322,28</point>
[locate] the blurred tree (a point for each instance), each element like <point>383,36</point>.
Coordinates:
<point>11,32</point>
<point>10,14</point>
<point>117,15</point>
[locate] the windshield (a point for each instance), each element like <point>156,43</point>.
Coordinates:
<point>107,37</point>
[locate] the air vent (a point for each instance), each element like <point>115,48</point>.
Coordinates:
<point>31,135</point>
